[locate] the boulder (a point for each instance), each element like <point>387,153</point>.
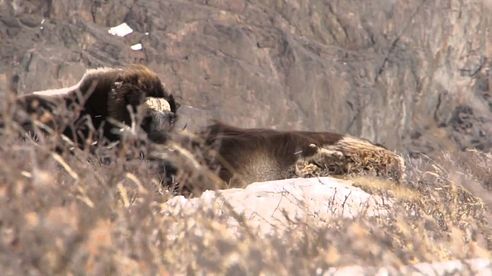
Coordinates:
<point>268,207</point>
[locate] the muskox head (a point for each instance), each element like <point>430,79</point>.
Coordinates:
<point>158,119</point>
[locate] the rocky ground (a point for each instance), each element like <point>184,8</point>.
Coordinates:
<point>412,75</point>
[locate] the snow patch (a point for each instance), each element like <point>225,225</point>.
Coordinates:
<point>137,47</point>
<point>121,30</point>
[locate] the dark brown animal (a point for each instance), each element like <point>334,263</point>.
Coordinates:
<point>104,100</point>
<point>244,156</point>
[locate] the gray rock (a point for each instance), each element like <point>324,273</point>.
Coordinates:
<point>397,73</point>
<point>272,206</point>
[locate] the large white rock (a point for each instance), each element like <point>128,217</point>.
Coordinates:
<point>273,205</point>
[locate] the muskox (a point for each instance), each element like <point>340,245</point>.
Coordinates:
<point>244,156</point>
<point>105,101</point>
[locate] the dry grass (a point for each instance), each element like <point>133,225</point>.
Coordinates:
<point>72,213</point>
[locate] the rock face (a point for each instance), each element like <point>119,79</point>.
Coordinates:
<point>411,75</point>
<point>270,207</point>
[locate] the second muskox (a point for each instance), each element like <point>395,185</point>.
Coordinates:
<point>244,156</point>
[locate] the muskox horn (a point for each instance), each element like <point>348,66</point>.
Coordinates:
<point>158,104</point>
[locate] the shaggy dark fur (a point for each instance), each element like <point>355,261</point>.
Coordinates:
<point>103,101</point>
<point>250,155</point>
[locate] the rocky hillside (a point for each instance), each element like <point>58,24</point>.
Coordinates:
<point>412,75</point>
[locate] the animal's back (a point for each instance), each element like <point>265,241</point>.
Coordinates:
<point>251,155</point>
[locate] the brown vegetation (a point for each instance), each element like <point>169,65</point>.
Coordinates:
<point>73,213</point>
